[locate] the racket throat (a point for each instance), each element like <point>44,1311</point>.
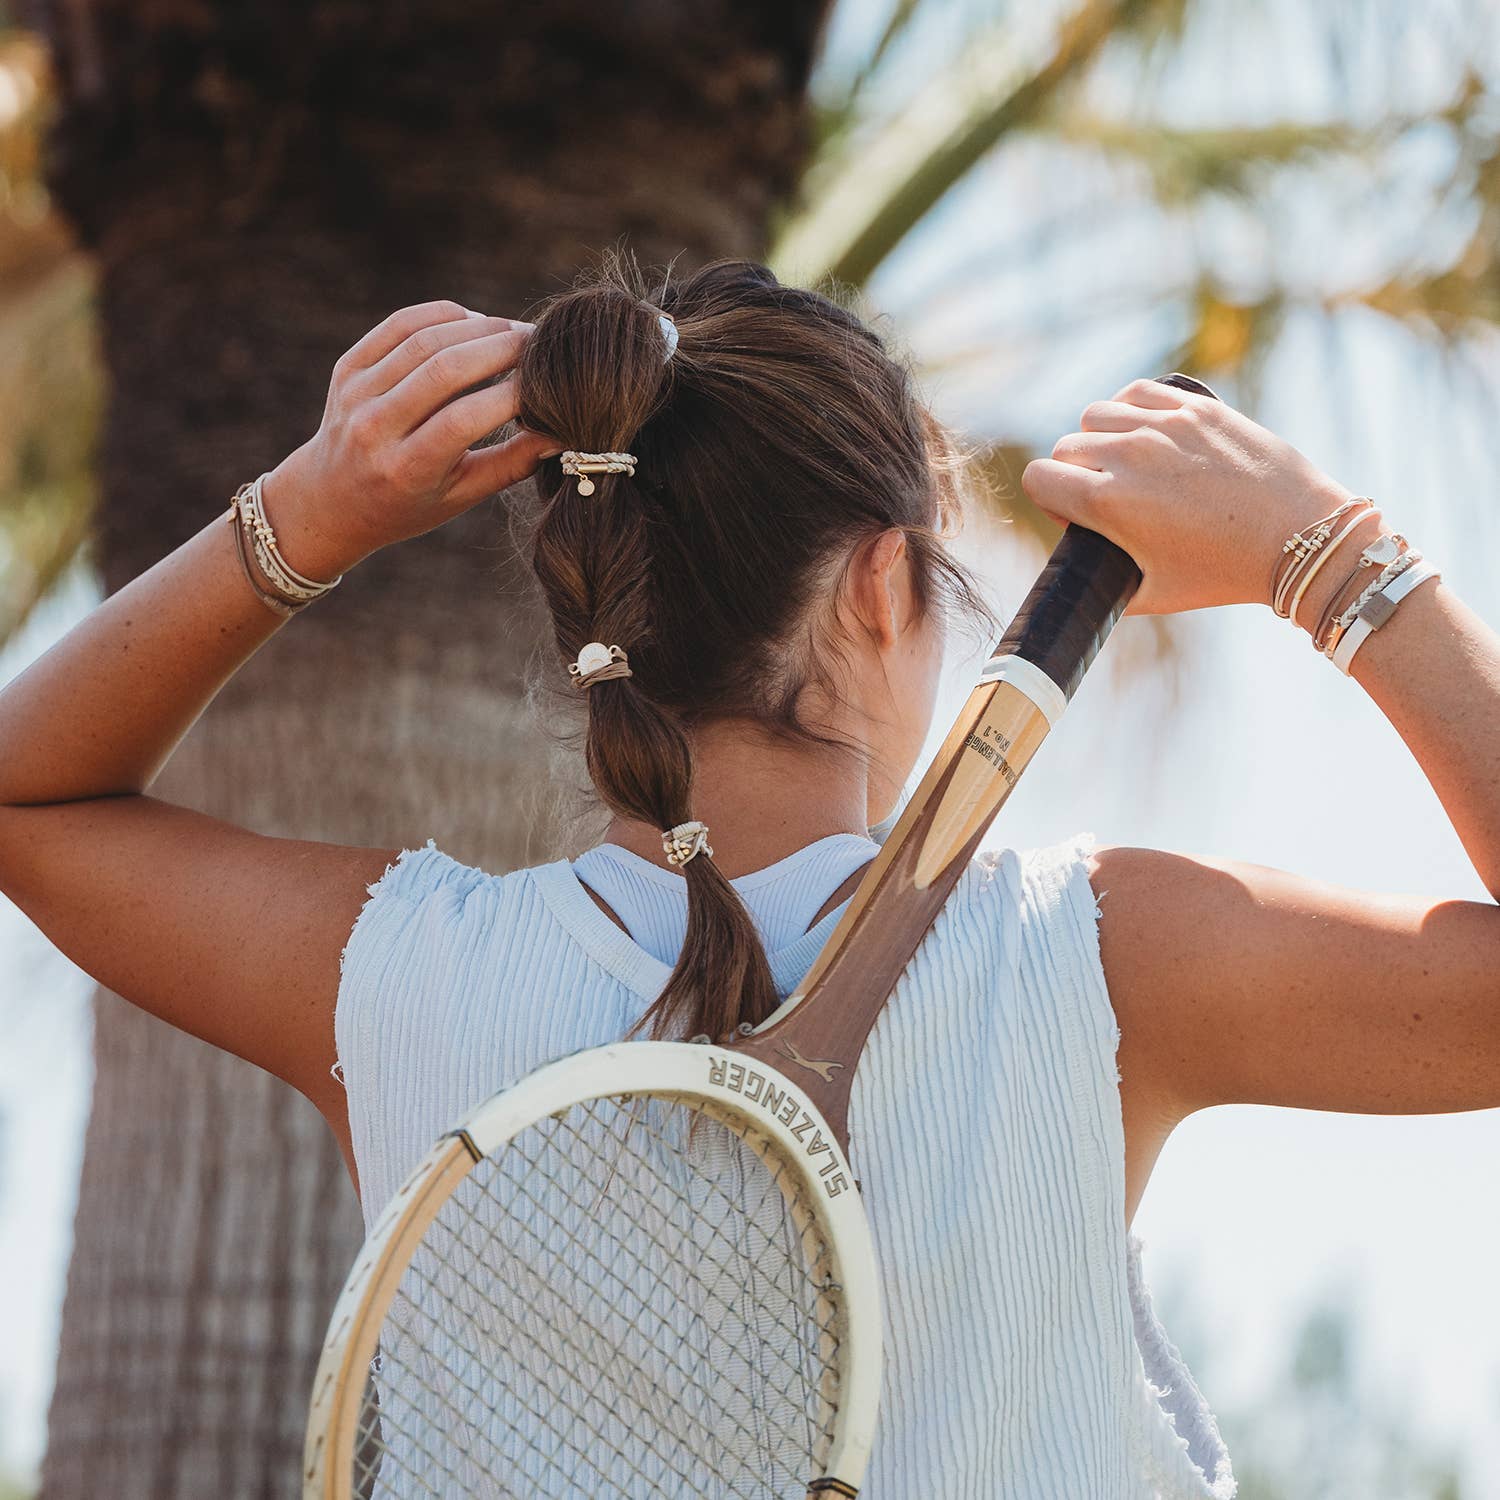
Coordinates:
<point>996,750</point>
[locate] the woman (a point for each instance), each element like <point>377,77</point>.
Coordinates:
<point>754,526</point>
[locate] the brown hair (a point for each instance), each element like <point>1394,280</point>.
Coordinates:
<point>779,437</point>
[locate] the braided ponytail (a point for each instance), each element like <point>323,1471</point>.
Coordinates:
<point>778,439</point>
<point>593,374</point>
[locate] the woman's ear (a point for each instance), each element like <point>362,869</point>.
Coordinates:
<point>879,585</point>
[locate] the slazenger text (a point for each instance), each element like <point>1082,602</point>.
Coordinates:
<point>757,1089</point>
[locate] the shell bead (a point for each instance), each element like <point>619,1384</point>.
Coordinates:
<point>593,656</point>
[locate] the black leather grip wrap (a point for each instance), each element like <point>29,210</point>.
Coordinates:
<point>1082,591</point>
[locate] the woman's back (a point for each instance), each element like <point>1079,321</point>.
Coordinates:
<point>984,1126</point>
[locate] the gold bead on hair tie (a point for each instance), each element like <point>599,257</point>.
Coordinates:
<point>582,465</point>
<point>684,841</point>
<point>599,663</point>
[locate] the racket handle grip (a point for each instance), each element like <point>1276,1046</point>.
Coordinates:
<point>1082,591</point>
<point>1071,609</point>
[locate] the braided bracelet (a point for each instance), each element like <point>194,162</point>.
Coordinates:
<point>1386,548</point>
<point>1341,622</point>
<point>1322,557</point>
<point>1378,609</point>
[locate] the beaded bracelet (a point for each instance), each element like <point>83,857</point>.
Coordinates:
<point>1303,545</point>
<point>273,602</point>
<point>253,531</point>
<point>1310,573</point>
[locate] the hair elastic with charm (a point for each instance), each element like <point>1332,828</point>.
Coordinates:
<point>599,663</point>
<point>583,465</point>
<point>685,842</point>
<point>278,585</point>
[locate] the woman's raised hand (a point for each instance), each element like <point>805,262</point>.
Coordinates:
<point>392,457</point>
<point>1200,496</point>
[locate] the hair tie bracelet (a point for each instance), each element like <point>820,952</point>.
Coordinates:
<point>685,841</point>
<point>599,663</point>
<point>581,465</point>
<point>1324,552</point>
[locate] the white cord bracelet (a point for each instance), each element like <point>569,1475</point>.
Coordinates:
<point>1378,609</point>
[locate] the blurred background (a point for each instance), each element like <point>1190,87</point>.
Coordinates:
<point>203,203</point>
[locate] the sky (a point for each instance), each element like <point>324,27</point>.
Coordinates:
<point>1252,1214</point>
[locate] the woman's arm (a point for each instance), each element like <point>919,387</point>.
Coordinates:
<point>227,934</point>
<point>1238,983</point>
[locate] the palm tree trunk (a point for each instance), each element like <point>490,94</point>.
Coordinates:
<point>259,185</point>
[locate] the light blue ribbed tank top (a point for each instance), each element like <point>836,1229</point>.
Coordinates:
<point>782,898</point>
<point>1023,1358</point>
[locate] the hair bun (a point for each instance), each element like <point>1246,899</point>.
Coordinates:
<point>593,373</point>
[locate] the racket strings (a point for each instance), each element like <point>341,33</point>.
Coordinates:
<point>482,1397</point>
<point>736,1285</point>
<point>608,1308</point>
<point>478,1400</point>
<point>642,1210</point>
<point>467,1431</point>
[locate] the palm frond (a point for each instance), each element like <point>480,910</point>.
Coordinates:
<point>50,385</point>
<point>864,199</point>
<point>51,392</point>
<point>897,24</point>
<point>1187,164</point>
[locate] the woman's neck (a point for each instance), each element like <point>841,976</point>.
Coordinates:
<point>762,800</point>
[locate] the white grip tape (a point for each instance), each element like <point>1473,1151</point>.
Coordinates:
<point>1031,680</point>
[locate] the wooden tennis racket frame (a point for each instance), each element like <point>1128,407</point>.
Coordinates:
<point>767,1109</point>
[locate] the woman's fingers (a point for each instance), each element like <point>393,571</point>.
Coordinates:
<point>425,352</point>
<point>1065,491</point>
<point>439,442</point>
<point>391,331</point>
<point>435,382</point>
<point>485,471</point>
<point>1120,416</point>
<point>1090,450</point>
<point>1153,394</point>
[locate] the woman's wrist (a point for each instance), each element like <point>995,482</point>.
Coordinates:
<point>1330,580</point>
<point>290,504</point>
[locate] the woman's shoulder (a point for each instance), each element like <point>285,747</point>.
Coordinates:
<point>1039,878</point>
<point>431,925</point>
<point>1037,904</point>
<point>419,872</point>
<point>425,890</point>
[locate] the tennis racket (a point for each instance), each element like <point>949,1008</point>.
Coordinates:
<point>644,1270</point>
